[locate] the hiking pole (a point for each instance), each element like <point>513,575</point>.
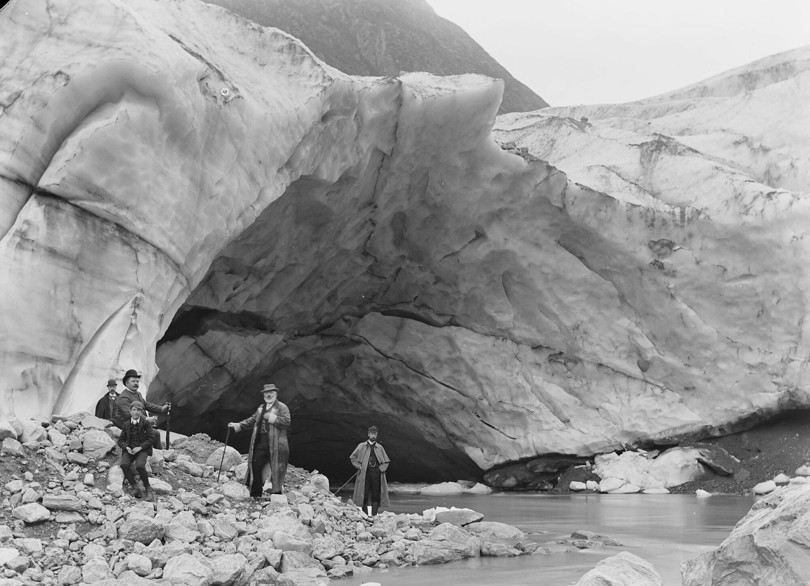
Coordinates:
<point>227,433</point>
<point>347,482</point>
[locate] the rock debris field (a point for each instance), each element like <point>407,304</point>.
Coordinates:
<point>65,519</point>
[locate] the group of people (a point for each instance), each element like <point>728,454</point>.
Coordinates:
<point>138,437</point>
<point>268,444</point>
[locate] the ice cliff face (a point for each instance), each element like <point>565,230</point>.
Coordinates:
<point>189,194</point>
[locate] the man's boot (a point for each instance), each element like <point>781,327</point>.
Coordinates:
<point>150,495</point>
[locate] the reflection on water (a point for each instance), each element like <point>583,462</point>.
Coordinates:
<point>663,529</point>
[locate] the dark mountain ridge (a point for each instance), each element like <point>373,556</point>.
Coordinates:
<point>384,37</point>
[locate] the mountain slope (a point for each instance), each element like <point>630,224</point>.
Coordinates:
<point>379,37</point>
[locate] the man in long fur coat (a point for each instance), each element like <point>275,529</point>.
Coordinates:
<point>268,444</point>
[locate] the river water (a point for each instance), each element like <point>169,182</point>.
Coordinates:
<point>663,529</point>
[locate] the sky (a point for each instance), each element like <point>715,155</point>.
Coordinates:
<point>609,51</point>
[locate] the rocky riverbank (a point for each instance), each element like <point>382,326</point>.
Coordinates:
<point>65,519</point>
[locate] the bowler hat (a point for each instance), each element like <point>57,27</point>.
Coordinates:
<point>269,388</point>
<point>111,382</point>
<point>131,373</point>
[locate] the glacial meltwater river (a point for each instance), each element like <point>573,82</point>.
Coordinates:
<point>663,529</point>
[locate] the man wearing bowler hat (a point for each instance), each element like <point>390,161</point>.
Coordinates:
<point>268,444</point>
<point>130,394</point>
<point>105,408</point>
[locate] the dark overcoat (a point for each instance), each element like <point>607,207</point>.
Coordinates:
<point>359,459</point>
<point>125,401</point>
<point>105,408</point>
<point>277,438</point>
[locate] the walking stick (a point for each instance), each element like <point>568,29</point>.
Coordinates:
<point>347,482</point>
<point>169,427</point>
<point>227,433</point>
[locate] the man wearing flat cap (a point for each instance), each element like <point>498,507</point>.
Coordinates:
<point>371,461</point>
<point>268,444</point>
<point>105,408</point>
<point>135,441</point>
<point>132,382</point>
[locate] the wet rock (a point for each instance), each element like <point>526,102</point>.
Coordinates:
<point>591,536</point>
<point>623,569</point>
<point>494,530</point>
<point>770,546</point>
<point>496,549</point>
<point>460,517</point>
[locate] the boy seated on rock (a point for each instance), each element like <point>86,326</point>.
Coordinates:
<point>135,441</point>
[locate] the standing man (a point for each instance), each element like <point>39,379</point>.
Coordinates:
<point>105,408</point>
<point>135,441</point>
<point>130,394</point>
<point>371,487</point>
<point>268,444</point>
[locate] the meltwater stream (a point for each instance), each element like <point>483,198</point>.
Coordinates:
<point>664,529</point>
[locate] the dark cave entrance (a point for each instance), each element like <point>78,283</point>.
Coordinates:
<point>324,441</point>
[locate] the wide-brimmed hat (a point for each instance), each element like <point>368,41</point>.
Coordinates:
<point>131,373</point>
<point>268,388</point>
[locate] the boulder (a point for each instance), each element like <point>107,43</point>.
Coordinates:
<point>63,502</point>
<point>12,447</point>
<point>142,529</point>
<point>6,429</point>
<point>225,456</point>
<point>494,530</point>
<point>770,546</point>
<point>31,513</point>
<point>764,487</point>
<point>188,570</point>
<point>623,569</point>
<point>89,421</point>
<point>97,443</point>
<point>458,517</point>
<point>228,568</point>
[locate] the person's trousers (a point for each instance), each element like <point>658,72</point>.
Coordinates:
<point>261,456</point>
<point>135,463</point>
<point>371,492</point>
